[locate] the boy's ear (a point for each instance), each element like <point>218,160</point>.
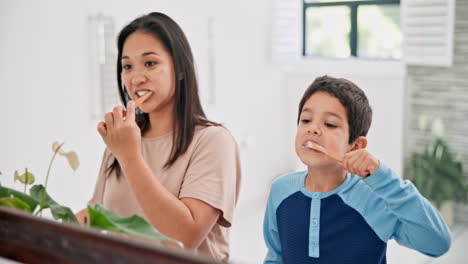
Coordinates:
<point>359,143</point>
<point>180,76</point>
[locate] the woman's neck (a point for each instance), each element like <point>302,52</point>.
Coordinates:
<point>324,180</point>
<point>161,123</point>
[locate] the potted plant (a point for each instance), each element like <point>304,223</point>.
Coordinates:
<point>39,200</point>
<point>438,177</point>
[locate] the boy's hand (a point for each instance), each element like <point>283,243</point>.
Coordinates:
<point>360,162</point>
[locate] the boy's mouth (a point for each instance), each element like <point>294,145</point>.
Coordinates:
<point>312,146</point>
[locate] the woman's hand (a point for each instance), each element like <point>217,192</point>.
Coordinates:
<point>360,162</point>
<point>121,135</point>
<point>83,217</point>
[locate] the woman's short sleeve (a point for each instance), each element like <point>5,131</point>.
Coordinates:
<point>214,174</point>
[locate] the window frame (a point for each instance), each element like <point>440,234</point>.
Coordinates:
<point>353,5</point>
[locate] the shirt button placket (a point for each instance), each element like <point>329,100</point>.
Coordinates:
<point>314,231</point>
<point>314,222</point>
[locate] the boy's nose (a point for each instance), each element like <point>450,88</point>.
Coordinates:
<point>313,129</point>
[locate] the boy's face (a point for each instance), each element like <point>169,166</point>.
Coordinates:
<point>323,121</point>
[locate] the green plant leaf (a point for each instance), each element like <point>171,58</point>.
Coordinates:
<point>16,203</point>
<point>25,178</point>
<point>102,218</point>
<point>58,211</point>
<point>30,201</point>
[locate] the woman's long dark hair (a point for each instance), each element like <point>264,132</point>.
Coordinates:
<point>188,112</point>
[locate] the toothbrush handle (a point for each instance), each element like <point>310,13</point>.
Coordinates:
<point>334,155</point>
<point>139,101</point>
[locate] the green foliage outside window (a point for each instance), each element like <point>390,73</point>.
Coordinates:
<point>437,175</point>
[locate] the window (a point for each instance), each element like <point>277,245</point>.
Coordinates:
<point>345,28</point>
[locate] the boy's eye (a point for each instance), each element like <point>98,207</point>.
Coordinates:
<point>150,63</point>
<point>305,121</point>
<point>126,67</point>
<point>330,125</point>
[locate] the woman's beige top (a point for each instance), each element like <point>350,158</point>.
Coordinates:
<point>209,171</point>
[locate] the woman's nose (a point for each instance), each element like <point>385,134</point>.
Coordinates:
<point>138,78</point>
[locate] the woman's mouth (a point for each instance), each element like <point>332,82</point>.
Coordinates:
<point>141,93</point>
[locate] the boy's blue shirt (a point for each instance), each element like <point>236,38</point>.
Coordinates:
<point>352,223</point>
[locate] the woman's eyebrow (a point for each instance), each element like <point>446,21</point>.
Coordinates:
<point>150,53</point>
<point>125,57</point>
<point>305,109</point>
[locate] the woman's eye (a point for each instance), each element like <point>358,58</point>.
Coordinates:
<point>305,121</point>
<point>126,67</point>
<point>330,125</point>
<point>150,63</point>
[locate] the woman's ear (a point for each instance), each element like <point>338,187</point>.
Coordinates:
<point>180,76</point>
<point>359,143</point>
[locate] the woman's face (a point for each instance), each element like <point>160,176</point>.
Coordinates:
<point>148,66</point>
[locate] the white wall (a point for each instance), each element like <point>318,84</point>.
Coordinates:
<point>46,96</point>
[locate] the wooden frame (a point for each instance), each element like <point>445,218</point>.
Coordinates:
<point>31,239</point>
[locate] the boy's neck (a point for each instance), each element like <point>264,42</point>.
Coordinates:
<point>324,180</point>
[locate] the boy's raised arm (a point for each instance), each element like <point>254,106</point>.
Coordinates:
<point>418,224</point>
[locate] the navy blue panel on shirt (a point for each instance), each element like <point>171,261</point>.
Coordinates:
<point>293,228</point>
<point>345,237</point>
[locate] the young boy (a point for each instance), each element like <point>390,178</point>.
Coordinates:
<point>344,212</point>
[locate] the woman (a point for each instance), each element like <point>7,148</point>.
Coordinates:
<point>167,163</point>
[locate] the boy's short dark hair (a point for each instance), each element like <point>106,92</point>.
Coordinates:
<point>353,99</point>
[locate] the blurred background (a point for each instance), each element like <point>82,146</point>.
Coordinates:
<point>254,60</point>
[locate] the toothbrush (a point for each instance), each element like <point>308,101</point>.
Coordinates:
<point>329,153</point>
<point>139,101</point>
